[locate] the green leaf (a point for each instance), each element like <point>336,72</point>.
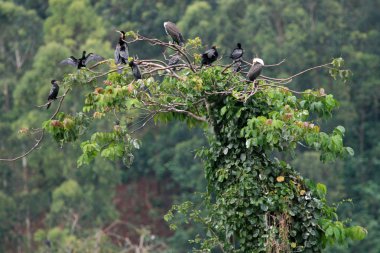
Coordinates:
<point>350,151</point>
<point>340,129</point>
<point>264,207</point>
<point>322,189</point>
<point>223,110</point>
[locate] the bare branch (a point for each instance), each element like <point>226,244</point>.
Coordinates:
<point>299,73</point>
<point>38,141</point>
<point>174,47</point>
<point>276,64</point>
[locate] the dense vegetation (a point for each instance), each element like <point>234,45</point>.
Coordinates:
<point>46,196</point>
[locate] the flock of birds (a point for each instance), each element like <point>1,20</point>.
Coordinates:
<point>122,54</point>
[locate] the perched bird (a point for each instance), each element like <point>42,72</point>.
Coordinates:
<point>135,70</point>
<point>173,31</point>
<point>137,74</point>
<point>209,56</point>
<point>255,70</point>
<point>48,243</point>
<point>53,92</point>
<point>81,62</point>
<point>237,53</point>
<point>174,60</point>
<point>121,50</point>
<point>237,66</point>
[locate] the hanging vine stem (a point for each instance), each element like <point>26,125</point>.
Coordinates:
<point>145,122</point>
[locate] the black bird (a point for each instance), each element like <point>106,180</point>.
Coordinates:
<point>83,61</point>
<point>53,92</point>
<point>237,53</point>
<point>48,243</point>
<point>121,50</point>
<point>209,56</point>
<point>173,31</point>
<point>137,74</point>
<point>255,70</point>
<point>135,70</point>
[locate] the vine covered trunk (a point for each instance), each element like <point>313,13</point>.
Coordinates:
<point>261,204</point>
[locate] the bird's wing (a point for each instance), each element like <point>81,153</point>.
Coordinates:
<point>70,61</point>
<point>117,54</point>
<point>93,57</point>
<point>172,30</point>
<point>254,71</point>
<point>174,60</point>
<point>53,92</point>
<point>210,53</point>
<point>181,39</point>
<point>136,72</point>
<point>236,53</point>
<point>124,51</point>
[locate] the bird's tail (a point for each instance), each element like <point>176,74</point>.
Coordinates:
<point>119,69</point>
<point>48,105</point>
<point>146,89</point>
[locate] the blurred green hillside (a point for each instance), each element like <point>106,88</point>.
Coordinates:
<point>46,200</point>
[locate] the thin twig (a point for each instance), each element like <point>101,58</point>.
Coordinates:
<point>276,64</point>
<point>299,73</point>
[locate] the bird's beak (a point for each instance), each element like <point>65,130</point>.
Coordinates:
<point>117,31</point>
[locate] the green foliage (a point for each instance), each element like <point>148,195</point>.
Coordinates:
<point>7,208</point>
<point>344,74</point>
<point>111,145</point>
<point>66,128</point>
<point>65,196</point>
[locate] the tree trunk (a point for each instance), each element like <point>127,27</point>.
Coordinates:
<point>27,217</point>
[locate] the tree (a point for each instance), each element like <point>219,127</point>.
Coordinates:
<point>18,43</point>
<point>254,201</point>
